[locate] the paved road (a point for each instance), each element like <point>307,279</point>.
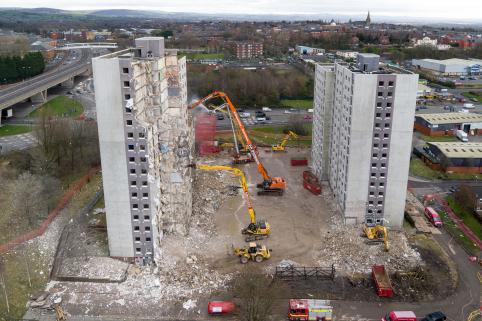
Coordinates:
<point>17,142</point>
<point>31,84</point>
<point>277,117</point>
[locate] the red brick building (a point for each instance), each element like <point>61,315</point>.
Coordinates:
<point>248,50</point>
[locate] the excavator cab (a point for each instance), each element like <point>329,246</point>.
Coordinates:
<point>377,234</point>
<point>256,231</point>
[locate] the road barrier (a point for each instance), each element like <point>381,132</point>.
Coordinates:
<point>4,248</point>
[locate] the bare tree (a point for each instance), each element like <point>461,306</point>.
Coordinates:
<point>466,197</point>
<point>257,294</point>
<point>27,198</point>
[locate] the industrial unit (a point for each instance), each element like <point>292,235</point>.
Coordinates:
<point>442,124</point>
<point>363,115</point>
<point>449,67</point>
<point>456,157</point>
<point>145,144</point>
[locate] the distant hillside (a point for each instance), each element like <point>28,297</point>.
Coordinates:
<point>126,13</point>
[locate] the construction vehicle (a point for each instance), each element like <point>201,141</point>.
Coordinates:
<point>377,234</point>
<point>256,230</point>
<point>281,146</point>
<point>254,252</point>
<point>310,309</point>
<point>400,316</point>
<point>270,185</point>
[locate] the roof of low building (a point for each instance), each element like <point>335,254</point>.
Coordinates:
<point>459,149</point>
<point>451,118</point>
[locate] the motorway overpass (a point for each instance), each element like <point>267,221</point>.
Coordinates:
<point>36,88</point>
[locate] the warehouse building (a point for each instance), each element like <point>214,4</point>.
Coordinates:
<point>449,67</point>
<point>442,124</point>
<point>455,157</point>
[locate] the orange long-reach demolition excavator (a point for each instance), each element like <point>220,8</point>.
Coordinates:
<point>270,185</point>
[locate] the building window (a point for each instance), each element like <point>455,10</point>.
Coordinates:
<point>370,202</point>
<point>131,159</point>
<point>130,135</point>
<point>376,135</point>
<point>145,195</point>
<point>138,249</point>
<point>389,104</point>
<point>389,94</point>
<point>380,83</point>
<point>384,155</point>
<point>144,171</point>
<point>125,70</point>
<point>385,145</point>
<point>136,228</point>
<point>146,205</point>
<point>135,206</point>
<point>380,94</point>
<point>132,170</point>
<point>380,194</point>
<point>134,194</point>
<point>374,164</point>
<point>133,183</point>
<point>148,239</point>
<point>387,125</point>
<point>382,174</point>
<point>382,184</point>
<point>390,83</point>
<point>147,228</point>
<point>138,239</point>
<point>372,183</point>
<point>380,202</point>
<point>385,135</point>
<point>147,217</point>
<point>388,115</point>
<point>143,159</point>
<point>127,96</point>
<point>379,104</point>
<point>142,147</point>
<point>129,122</point>
<point>126,84</point>
<point>377,125</point>
<point>144,183</point>
<point>379,115</point>
<point>136,217</point>
<point>375,145</point>
<point>141,135</point>
<point>374,155</point>
<point>130,147</point>
<point>372,193</point>
<point>374,174</point>
<point>128,110</point>
<point>383,164</point>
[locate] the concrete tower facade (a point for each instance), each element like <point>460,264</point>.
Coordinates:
<point>146,142</point>
<point>370,108</point>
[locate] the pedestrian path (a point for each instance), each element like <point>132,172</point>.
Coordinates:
<point>17,142</point>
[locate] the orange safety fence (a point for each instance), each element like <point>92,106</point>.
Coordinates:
<point>53,213</point>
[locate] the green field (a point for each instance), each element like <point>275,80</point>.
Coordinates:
<point>60,106</point>
<point>418,168</point>
<point>472,94</point>
<point>8,130</point>
<point>469,219</point>
<point>297,103</point>
<point>203,56</point>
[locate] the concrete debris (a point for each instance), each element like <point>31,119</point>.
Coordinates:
<point>98,211</point>
<point>346,248</point>
<point>99,269</point>
<point>189,304</point>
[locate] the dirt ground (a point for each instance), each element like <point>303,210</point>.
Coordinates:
<point>305,230</point>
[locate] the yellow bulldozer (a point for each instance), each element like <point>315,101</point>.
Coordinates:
<point>254,252</point>
<point>377,234</point>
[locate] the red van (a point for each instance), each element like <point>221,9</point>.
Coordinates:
<point>400,316</point>
<point>433,216</point>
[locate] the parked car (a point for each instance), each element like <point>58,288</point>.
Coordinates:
<point>435,316</point>
<point>266,109</point>
<point>472,78</point>
<point>433,216</point>
<point>260,113</point>
<point>400,316</point>
<point>244,115</point>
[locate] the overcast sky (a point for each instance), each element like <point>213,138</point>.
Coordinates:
<point>453,9</point>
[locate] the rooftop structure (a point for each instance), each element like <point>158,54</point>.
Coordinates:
<point>448,67</point>
<point>451,118</point>
<point>459,149</point>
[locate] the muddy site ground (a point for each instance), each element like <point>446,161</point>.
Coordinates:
<point>306,231</point>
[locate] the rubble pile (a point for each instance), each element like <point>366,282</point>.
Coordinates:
<point>346,248</point>
<point>211,188</point>
<point>99,269</point>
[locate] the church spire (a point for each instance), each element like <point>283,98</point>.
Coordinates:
<point>368,20</point>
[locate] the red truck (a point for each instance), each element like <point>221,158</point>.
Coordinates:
<point>310,309</point>
<point>400,316</point>
<point>382,281</point>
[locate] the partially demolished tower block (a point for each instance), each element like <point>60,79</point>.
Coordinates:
<point>146,144</point>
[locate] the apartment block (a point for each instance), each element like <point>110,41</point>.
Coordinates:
<point>146,143</point>
<point>362,135</point>
<point>248,50</point>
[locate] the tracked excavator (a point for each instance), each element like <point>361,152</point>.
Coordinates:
<point>256,230</point>
<point>270,185</point>
<point>377,234</point>
<point>281,146</point>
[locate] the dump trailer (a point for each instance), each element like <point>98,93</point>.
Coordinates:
<point>311,183</point>
<point>310,309</point>
<point>382,281</point>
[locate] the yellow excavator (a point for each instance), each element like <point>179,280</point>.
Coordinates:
<point>281,146</point>
<point>377,234</point>
<point>256,230</point>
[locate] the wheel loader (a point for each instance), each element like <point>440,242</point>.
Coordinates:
<point>254,252</point>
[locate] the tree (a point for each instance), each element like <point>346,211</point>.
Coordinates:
<point>27,199</point>
<point>466,197</point>
<point>257,294</point>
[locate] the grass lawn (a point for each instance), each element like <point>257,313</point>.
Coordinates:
<point>418,168</point>
<point>7,130</point>
<point>439,138</point>
<point>203,56</point>
<point>269,135</point>
<point>60,106</point>
<point>476,95</point>
<point>454,230</point>
<point>469,219</point>
<point>297,103</point>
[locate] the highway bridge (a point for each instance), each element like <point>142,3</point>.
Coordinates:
<point>88,45</point>
<point>36,88</point>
